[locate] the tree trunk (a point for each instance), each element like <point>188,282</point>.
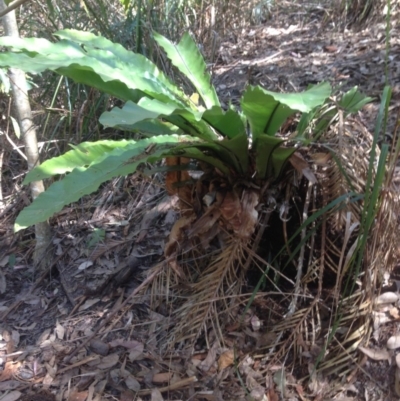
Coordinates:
<point>22,108</point>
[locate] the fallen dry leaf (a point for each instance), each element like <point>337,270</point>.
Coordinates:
<point>13,396</point>
<point>226,359</point>
<point>393,342</point>
<point>3,283</point>
<point>60,330</point>
<point>89,303</point>
<point>394,312</point>
<point>132,383</point>
<point>127,395</point>
<point>387,298</point>
<point>209,360</point>
<point>156,395</point>
<point>376,354</point>
<point>255,323</point>
<point>85,265</point>
<point>302,166</point>
<point>99,347</point>
<point>162,377</point>
<point>9,370</point>
<point>108,361</point>
<point>331,48</point>
<point>397,381</point>
<point>272,395</point>
<point>78,395</point>
<point>9,385</point>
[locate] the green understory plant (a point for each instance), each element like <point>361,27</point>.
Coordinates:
<point>240,144</point>
<point>244,154</point>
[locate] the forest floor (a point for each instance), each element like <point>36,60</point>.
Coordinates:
<point>79,331</point>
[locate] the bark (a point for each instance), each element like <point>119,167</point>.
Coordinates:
<point>42,256</point>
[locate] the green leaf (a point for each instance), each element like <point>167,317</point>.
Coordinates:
<point>239,147</point>
<point>304,101</point>
<point>188,59</point>
<point>228,123</point>
<point>232,152</point>
<point>353,100</point>
<point>132,113</point>
<point>136,65</point>
<point>264,113</point>
<point>198,152</point>
<point>279,159</point>
<point>264,147</point>
<point>151,127</point>
<point>86,180</point>
<point>82,155</point>
<point>267,111</point>
<point>87,58</point>
<point>125,4</point>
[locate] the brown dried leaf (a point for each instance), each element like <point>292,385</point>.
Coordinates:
<point>226,359</point>
<point>127,395</point>
<point>331,48</point>
<point>393,342</point>
<point>230,206</point>
<point>135,348</point>
<point>172,177</point>
<point>48,379</point>
<point>210,358</point>
<point>387,298</point>
<point>272,395</point>
<point>302,166</point>
<point>13,396</point>
<point>4,260</point>
<point>205,222</point>
<point>177,234</point>
<point>99,347</point>
<point>132,383</point>
<point>249,215</point>
<point>9,371</point>
<point>375,354</point>
<point>3,284</point>
<point>255,323</point>
<point>108,361</point>
<point>156,395</point>
<point>321,159</point>
<point>9,385</point>
<point>88,304</point>
<point>162,377</point>
<point>397,381</point>
<point>85,265</point>
<point>60,330</point>
<point>394,312</point>
<point>78,395</point>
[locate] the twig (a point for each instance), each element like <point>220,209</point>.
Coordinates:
<point>12,6</point>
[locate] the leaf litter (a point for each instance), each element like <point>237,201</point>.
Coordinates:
<point>82,331</point>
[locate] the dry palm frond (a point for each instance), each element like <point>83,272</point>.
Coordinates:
<point>215,291</point>
<point>329,313</point>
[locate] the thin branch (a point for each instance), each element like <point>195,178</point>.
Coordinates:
<point>12,6</point>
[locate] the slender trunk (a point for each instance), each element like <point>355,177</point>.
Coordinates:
<point>28,133</point>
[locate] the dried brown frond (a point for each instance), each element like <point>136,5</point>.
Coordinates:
<point>211,296</point>
<point>329,313</point>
